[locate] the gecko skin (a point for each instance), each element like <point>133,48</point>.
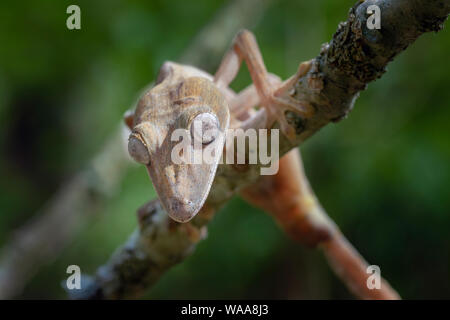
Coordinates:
<point>184,95</point>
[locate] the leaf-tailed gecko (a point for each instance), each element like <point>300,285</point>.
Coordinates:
<point>184,95</point>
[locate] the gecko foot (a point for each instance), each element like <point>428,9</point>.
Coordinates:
<point>280,101</point>
<point>276,108</point>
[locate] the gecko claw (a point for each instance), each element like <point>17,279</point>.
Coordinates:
<point>280,100</point>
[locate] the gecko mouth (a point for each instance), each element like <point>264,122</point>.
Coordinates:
<point>181,210</point>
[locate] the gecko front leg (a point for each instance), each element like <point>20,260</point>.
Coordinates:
<point>274,98</point>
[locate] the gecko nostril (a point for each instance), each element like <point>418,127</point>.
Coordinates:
<point>205,128</point>
<point>137,149</point>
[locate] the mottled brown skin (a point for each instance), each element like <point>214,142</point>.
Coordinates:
<point>181,94</point>
<point>184,92</point>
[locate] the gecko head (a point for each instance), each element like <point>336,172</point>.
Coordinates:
<point>179,136</point>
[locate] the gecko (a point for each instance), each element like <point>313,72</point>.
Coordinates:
<point>184,95</point>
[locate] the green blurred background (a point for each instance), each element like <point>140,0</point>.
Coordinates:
<point>383,174</point>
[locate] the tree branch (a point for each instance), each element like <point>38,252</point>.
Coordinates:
<point>354,57</point>
<point>288,197</point>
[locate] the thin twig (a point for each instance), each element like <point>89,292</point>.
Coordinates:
<point>288,197</point>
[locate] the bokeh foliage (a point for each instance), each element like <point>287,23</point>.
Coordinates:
<point>383,174</point>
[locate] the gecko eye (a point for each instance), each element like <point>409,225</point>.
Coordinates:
<point>205,128</point>
<point>137,149</point>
